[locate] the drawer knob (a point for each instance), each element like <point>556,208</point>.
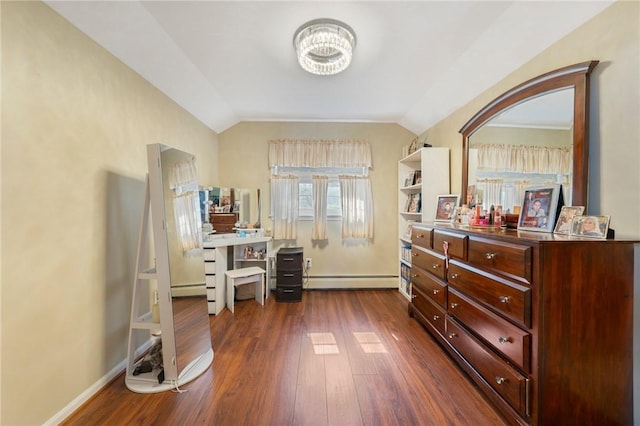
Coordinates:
<point>436,317</point>
<point>415,275</point>
<point>504,299</point>
<point>490,256</point>
<point>452,335</point>
<point>413,296</point>
<point>500,380</point>
<point>454,305</point>
<point>436,291</point>
<point>504,339</point>
<point>414,254</point>
<point>420,236</point>
<point>454,276</point>
<point>435,266</point>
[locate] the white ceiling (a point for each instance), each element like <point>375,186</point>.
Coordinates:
<point>415,62</point>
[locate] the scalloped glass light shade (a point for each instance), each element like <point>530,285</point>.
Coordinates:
<point>324,46</point>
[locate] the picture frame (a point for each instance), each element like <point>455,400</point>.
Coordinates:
<point>563,224</point>
<point>446,207</point>
<point>540,208</point>
<point>409,179</point>
<point>417,177</point>
<point>590,226</point>
<point>415,203</point>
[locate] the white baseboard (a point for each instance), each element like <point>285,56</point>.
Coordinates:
<point>70,408</point>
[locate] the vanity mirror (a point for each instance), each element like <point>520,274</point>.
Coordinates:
<point>534,134</point>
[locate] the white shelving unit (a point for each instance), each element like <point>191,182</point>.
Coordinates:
<point>432,165</point>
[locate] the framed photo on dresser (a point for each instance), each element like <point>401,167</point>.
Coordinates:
<point>540,208</point>
<point>446,207</point>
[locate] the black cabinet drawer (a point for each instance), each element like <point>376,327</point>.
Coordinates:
<point>289,294</point>
<point>289,262</point>
<point>288,278</point>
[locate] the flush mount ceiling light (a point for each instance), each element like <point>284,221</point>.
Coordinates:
<point>324,46</point>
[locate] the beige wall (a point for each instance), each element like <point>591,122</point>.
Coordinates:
<point>75,125</point>
<point>613,38</point>
<point>244,149</point>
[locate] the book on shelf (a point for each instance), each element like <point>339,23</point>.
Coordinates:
<point>408,230</point>
<point>417,177</point>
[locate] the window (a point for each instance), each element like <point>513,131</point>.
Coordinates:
<point>305,203</point>
<point>305,188</point>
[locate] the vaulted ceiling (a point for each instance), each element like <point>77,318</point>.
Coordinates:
<point>414,63</point>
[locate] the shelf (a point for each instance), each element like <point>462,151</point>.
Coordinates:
<point>405,262</point>
<point>415,187</point>
<point>406,240</point>
<point>419,214</point>
<point>148,274</point>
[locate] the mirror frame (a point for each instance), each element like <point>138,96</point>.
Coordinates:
<point>573,76</point>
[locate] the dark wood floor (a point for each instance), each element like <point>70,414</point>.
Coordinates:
<point>337,358</point>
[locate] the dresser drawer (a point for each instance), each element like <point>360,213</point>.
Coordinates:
<point>223,218</point>
<point>289,262</point>
<point>209,254</point>
<point>421,236</point>
<point>288,278</point>
<point>504,337</point>
<point>210,281</point>
<point>433,313</point>
<point>503,258</point>
<point>286,294</point>
<point>456,244</point>
<point>210,268</point>
<point>433,288</point>
<point>511,299</point>
<point>429,261</point>
<point>503,378</point>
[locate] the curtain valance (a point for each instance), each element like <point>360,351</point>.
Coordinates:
<point>524,159</point>
<point>319,153</point>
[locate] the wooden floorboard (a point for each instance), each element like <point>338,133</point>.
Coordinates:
<point>339,357</point>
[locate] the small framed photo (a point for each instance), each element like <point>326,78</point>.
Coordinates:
<point>563,224</point>
<point>446,207</point>
<point>590,226</point>
<point>540,208</point>
<point>409,179</point>
<point>414,203</point>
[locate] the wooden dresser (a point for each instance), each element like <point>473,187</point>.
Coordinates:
<point>543,324</point>
<point>223,222</point>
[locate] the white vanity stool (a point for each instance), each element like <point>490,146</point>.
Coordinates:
<point>241,276</point>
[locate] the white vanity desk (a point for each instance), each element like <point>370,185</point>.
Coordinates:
<point>223,252</point>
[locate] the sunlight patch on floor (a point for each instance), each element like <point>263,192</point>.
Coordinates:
<point>323,343</point>
<point>370,342</point>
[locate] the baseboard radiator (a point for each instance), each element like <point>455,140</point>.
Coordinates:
<point>328,282</point>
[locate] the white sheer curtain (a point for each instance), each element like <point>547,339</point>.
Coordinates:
<point>357,207</point>
<point>492,190</point>
<point>284,207</point>
<point>320,185</point>
<point>183,181</point>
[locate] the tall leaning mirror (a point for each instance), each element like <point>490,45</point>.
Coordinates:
<point>179,270</point>
<point>534,134</point>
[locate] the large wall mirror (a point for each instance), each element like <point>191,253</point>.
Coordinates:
<point>189,315</point>
<point>534,134</point>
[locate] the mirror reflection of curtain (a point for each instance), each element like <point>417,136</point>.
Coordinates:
<point>320,186</point>
<point>357,207</point>
<point>183,181</point>
<point>524,159</point>
<point>491,190</point>
<point>284,189</point>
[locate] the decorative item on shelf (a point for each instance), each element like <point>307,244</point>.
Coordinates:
<point>446,207</point>
<point>590,226</point>
<point>540,208</point>
<point>563,224</point>
<point>416,144</point>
